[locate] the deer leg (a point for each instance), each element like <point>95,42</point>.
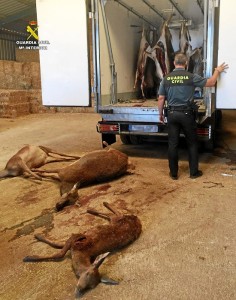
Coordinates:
<point>103,215</point>
<point>45,175</point>
<point>56,256</point>
<point>27,170</point>
<point>41,238</point>
<point>98,214</point>
<point>51,159</point>
<point>66,155</point>
<point>45,171</point>
<point>48,151</point>
<point>108,206</point>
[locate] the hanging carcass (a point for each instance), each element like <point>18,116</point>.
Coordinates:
<point>195,58</point>
<point>151,79</point>
<point>166,56</point>
<point>145,76</point>
<point>150,76</point>
<point>141,65</point>
<point>162,53</point>
<point>196,62</point>
<point>157,54</point>
<point>184,40</point>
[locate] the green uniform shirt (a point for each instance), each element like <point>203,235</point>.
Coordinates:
<point>178,87</point>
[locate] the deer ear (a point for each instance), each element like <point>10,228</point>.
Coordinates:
<point>100,259</point>
<point>109,281</point>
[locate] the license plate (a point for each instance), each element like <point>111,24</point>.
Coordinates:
<point>143,128</point>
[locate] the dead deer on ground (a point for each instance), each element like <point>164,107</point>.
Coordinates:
<point>89,249</point>
<point>95,166</point>
<point>30,157</point>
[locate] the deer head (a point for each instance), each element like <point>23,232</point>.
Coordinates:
<point>91,277</point>
<point>67,198</point>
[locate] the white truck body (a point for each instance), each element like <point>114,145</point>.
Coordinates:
<point>133,122</point>
<point>64,64</point>
<point>117,27</point>
<point>226,92</point>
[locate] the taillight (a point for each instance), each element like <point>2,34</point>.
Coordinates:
<point>107,127</point>
<point>204,131</point>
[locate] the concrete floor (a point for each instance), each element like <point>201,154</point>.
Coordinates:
<point>186,249</point>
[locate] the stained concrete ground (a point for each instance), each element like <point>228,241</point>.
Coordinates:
<point>187,246</point>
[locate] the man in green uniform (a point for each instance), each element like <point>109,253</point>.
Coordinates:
<point>178,89</point>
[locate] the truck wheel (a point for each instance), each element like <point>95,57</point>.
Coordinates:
<point>135,139</point>
<point>125,139</point>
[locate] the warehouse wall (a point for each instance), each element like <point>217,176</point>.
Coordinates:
<point>20,85</point>
<point>20,91</point>
<point>7,45</point>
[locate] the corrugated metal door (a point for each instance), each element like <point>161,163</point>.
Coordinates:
<point>7,46</point>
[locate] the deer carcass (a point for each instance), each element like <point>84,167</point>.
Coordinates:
<point>30,157</point>
<point>184,41</point>
<point>96,166</point>
<point>89,249</point>
<point>163,50</point>
<point>196,62</point>
<point>141,64</point>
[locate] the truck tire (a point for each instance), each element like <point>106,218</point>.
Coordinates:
<point>125,139</point>
<point>136,139</point>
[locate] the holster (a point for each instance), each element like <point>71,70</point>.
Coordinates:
<point>165,112</point>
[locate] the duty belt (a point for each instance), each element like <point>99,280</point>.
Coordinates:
<point>180,108</point>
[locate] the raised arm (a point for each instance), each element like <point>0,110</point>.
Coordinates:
<point>212,80</point>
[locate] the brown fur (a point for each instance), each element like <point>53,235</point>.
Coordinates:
<point>30,157</point>
<point>89,249</point>
<point>96,166</point>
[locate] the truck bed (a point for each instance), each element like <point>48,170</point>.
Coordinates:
<point>137,103</point>
<point>150,103</point>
